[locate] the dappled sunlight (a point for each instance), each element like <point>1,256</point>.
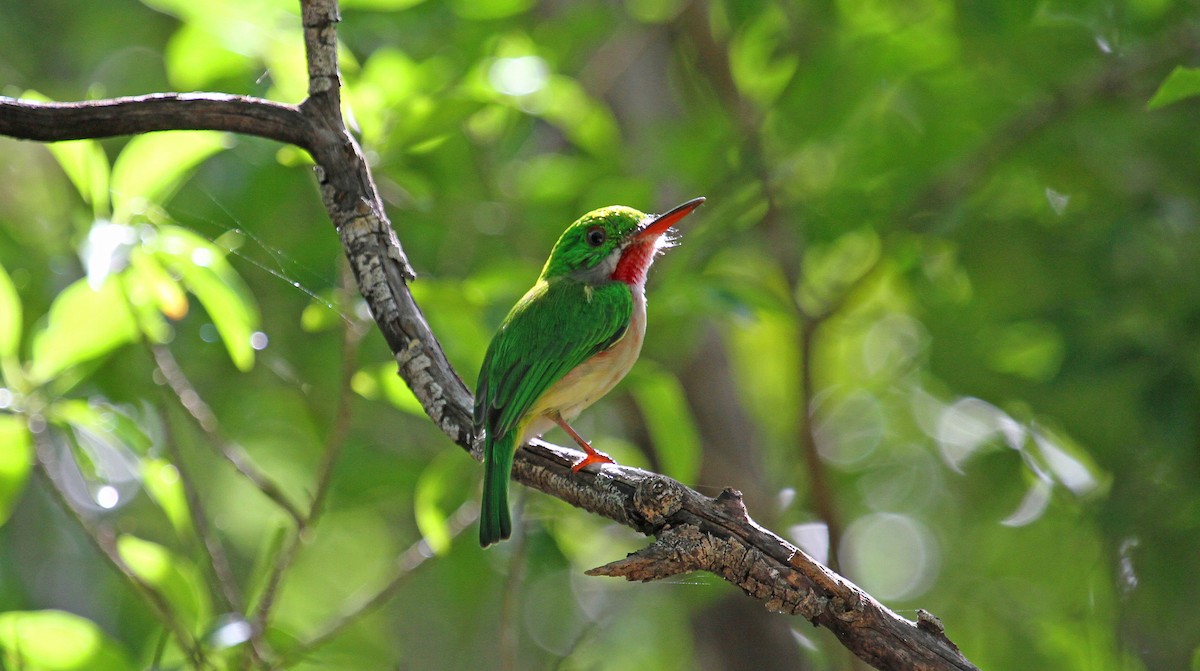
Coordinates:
<point>813,538</point>
<point>519,76</point>
<point>892,556</point>
<point>849,430</point>
<point>967,426</point>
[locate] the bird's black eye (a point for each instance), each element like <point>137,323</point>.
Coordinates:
<point>596,236</point>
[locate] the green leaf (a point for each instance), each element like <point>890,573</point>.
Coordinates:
<point>1181,84</point>
<point>326,311</point>
<point>481,10</point>
<point>437,482</point>
<point>86,166</point>
<point>101,418</point>
<point>584,120</point>
<point>83,324</point>
<point>152,166</point>
<point>380,5</point>
<point>1032,349</point>
<point>10,316</point>
<point>84,163</point>
<point>162,483</point>
<point>209,276</point>
<point>661,399</point>
<point>174,577</point>
<point>385,379</point>
<point>829,270</point>
<point>758,57</point>
<point>52,640</point>
<point>16,459</point>
<point>195,57</point>
<point>153,293</point>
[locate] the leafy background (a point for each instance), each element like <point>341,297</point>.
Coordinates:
<point>963,236</point>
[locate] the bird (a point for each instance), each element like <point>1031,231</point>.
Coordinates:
<point>567,342</point>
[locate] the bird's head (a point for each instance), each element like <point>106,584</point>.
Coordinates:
<point>613,243</point>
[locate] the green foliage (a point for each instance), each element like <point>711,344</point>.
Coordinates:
<point>51,640</point>
<point>10,317</point>
<point>952,246</point>
<point>1181,84</point>
<point>174,577</point>
<point>15,461</point>
<point>151,167</point>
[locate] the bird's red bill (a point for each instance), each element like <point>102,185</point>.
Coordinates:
<point>660,224</point>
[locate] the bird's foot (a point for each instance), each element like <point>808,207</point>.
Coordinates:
<point>593,457</point>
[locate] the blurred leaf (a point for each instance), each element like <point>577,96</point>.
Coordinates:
<point>161,481</point>
<point>584,120</point>
<point>439,490</point>
<point>266,558</point>
<point>173,576</point>
<point>664,408</point>
<point>10,316</point>
<point>380,5</point>
<point>760,65</point>
<point>207,274</point>
<point>16,460</point>
<point>195,58</point>
<point>52,640</point>
<point>1181,84</point>
<point>766,360</point>
<point>102,418</point>
<point>153,292</point>
<point>383,378</point>
<point>83,324</point>
<point>326,312</point>
<point>829,270</point>
<point>87,167</point>
<point>1033,350</point>
<point>152,166</point>
<point>429,121</point>
<point>482,10</point>
<point>654,11</point>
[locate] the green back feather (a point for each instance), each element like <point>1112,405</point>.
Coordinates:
<point>558,325</point>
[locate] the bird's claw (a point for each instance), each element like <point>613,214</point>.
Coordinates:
<point>592,458</point>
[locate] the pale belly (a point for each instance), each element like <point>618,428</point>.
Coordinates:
<point>592,379</point>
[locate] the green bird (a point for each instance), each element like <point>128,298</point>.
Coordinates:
<point>566,343</point>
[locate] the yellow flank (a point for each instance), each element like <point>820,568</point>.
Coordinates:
<point>590,380</point>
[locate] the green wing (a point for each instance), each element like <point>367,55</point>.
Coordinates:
<point>555,327</point>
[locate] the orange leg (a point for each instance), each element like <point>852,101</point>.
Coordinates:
<point>593,456</point>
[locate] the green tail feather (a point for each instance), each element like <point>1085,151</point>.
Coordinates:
<point>495,523</point>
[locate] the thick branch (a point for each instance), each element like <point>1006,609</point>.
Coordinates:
<point>53,122</point>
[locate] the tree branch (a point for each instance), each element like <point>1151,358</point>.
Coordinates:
<point>54,121</point>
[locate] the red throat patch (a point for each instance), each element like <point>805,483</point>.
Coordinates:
<point>635,261</point>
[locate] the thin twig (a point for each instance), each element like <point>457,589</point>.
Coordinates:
<point>351,337</point>
<point>218,559</point>
<point>206,419</point>
<point>352,334</point>
<point>820,493</point>
<point>409,561</point>
<point>104,541</point>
